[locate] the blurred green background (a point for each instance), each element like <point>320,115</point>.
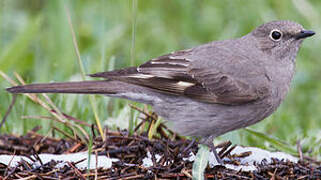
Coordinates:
<point>36,42</point>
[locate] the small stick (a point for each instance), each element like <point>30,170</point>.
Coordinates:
<point>299,148</point>
<point>14,96</point>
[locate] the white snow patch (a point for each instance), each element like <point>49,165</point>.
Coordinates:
<point>257,156</point>
<point>148,162</point>
<point>191,157</point>
<point>102,161</point>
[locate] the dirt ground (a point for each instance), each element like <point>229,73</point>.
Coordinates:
<point>131,149</point>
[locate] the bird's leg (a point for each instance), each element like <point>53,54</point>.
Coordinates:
<point>217,157</point>
<point>209,142</point>
<point>189,145</point>
<point>187,148</point>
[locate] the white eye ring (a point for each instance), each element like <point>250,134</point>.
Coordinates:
<point>276,35</point>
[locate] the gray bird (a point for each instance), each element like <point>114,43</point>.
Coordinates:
<point>207,90</point>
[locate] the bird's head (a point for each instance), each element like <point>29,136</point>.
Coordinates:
<point>281,39</point>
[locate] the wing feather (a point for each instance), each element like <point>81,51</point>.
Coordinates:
<point>178,73</point>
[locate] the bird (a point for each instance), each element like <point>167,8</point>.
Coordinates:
<point>207,90</point>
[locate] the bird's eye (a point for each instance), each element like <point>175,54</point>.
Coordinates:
<point>275,35</point>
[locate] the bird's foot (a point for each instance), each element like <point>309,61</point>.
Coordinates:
<point>217,157</point>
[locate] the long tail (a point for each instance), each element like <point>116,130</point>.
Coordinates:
<point>106,87</point>
<point>82,87</point>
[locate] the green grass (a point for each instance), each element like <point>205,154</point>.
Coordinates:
<point>36,42</point>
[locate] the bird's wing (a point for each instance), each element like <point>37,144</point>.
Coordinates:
<point>183,73</point>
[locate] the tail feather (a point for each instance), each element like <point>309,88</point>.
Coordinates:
<point>82,87</point>
<point>111,88</point>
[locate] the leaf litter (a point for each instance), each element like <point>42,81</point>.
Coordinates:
<point>168,159</point>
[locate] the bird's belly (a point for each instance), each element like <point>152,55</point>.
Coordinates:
<point>192,118</point>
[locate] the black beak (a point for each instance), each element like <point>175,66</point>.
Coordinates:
<point>304,34</point>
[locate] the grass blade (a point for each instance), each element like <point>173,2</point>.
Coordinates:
<point>275,142</point>
<point>92,99</point>
<point>200,162</point>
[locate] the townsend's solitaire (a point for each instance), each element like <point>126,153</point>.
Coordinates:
<point>210,89</point>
